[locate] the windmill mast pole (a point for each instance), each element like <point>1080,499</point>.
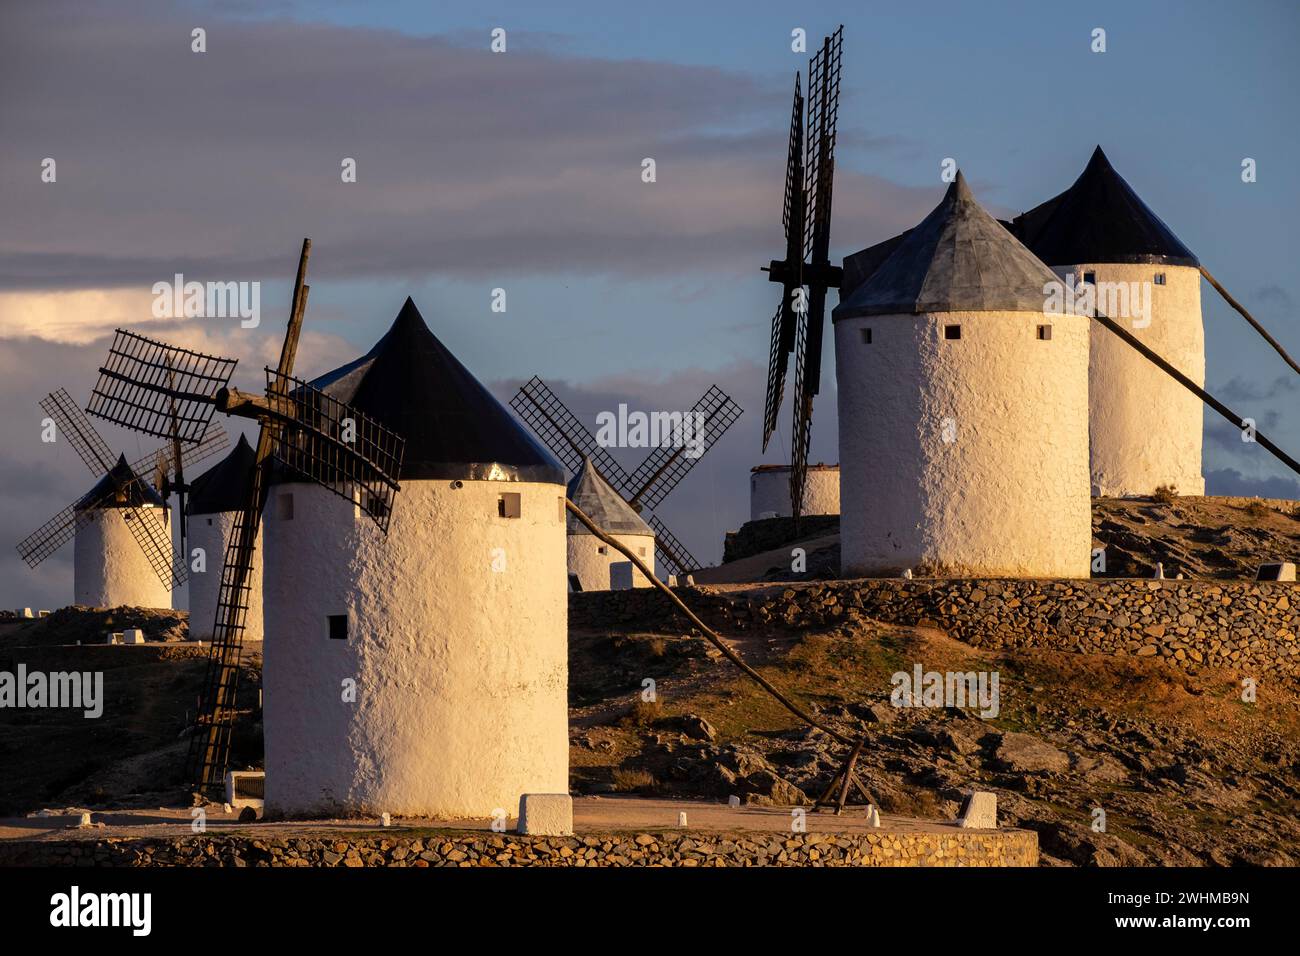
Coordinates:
<point>216,716</point>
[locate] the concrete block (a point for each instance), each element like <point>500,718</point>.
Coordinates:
<point>546,814</point>
<point>133,635</point>
<point>25,612</point>
<point>42,613</point>
<point>1279,571</point>
<point>245,788</point>
<point>114,638</point>
<point>980,812</point>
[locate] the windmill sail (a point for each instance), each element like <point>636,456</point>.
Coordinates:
<point>336,446</point>
<point>806,272</point>
<point>789,272</point>
<point>665,467</point>
<point>661,471</point>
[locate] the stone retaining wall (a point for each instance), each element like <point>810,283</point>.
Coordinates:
<point>1251,626</point>
<point>883,848</point>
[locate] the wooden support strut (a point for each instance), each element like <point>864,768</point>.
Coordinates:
<point>1227,297</point>
<point>713,638</point>
<point>1192,387</point>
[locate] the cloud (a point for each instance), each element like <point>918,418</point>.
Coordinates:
<point>469,163</point>
<point>1229,481</point>
<point>1253,390</point>
<point>1275,297</point>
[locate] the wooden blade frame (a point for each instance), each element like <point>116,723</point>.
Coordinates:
<point>209,753</point>
<point>561,431</point>
<point>788,272</point>
<point>337,447</point>
<point>159,389</point>
<point>820,276</point>
<point>665,467</point>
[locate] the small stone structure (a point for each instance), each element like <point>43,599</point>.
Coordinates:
<point>546,814</point>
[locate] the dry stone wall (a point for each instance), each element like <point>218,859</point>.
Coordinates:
<point>1248,625</point>
<point>884,848</point>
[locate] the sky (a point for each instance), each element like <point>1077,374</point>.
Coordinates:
<point>521,171</point>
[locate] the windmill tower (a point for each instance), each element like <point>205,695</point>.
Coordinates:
<point>123,551</point>
<point>597,566</point>
<point>769,490</point>
<point>216,500</point>
<point>963,409</point>
<point>451,631</point>
<point>109,567</point>
<point>1145,429</point>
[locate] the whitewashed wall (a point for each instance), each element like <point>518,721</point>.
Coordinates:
<point>1145,427</point>
<point>461,670</point>
<point>592,567</point>
<point>109,567</point>
<point>769,490</point>
<point>1008,496</point>
<point>212,533</point>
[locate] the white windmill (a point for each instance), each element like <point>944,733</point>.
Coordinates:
<point>596,565</point>
<point>424,672</point>
<point>963,408</point>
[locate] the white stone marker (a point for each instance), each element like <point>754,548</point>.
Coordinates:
<point>681,819</point>
<point>546,814</point>
<point>733,801</point>
<point>981,812</point>
<point>25,612</point>
<point>1277,571</point>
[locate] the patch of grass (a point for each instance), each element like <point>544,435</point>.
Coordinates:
<point>629,781</point>
<point>643,714</point>
<point>1256,509</point>
<point>1165,494</point>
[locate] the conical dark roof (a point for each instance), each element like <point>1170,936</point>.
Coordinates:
<point>224,486</point>
<point>138,493</point>
<point>957,259</point>
<point>453,426</point>
<point>1099,219</point>
<point>602,504</point>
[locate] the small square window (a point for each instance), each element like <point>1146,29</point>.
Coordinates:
<point>1090,278</point>
<point>209,522</point>
<point>952,331</point>
<point>602,550</point>
<point>1044,333</point>
<point>866,336</point>
<point>338,627</point>
<point>1160,278</point>
<point>508,505</point>
<point>641,551</point>
<point>284,507</point>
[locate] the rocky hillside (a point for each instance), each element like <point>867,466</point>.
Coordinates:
<point>1184,771</point>
<point>1197,537</point>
